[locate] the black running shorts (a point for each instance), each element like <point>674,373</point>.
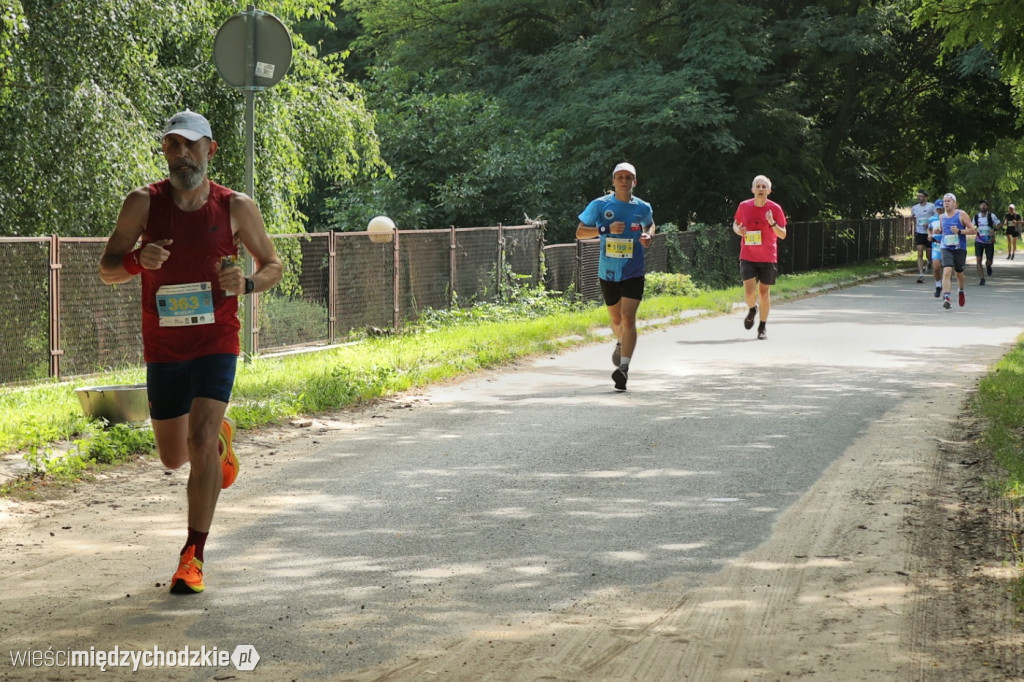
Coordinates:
<point>613,292</point>
<point>765,273</point>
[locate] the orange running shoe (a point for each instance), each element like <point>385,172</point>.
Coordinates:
<point>228,460</point>
<point>188,579</point>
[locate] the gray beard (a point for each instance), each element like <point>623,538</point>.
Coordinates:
<point>185,179</point>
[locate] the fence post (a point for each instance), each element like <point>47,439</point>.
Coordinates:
<point>332,286</point>
<point>500,268</point>
<point>453,266</point>
<point>397,267</point>
<point>578,275</point>
<point>55,266</point>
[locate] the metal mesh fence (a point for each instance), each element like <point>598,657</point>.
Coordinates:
<point>560,267</point>
<point>425,264</point>
<point>25,316</point>
<point>476,265</point>
<point>58,319</point>
<point>588,255</point>
<point>299,311</point>
<point>365,291</point>
<point>100,325</point>
<point>522,247</point>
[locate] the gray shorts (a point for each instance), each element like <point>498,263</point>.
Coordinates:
<point>954,258</point>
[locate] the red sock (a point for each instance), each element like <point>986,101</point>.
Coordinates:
<point>196,539</point>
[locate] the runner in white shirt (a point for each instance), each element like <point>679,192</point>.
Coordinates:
<point>922,211</point>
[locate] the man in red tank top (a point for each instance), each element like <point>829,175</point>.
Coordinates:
<point>182,235</point>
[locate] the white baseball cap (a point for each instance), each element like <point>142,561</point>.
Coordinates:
<point>628,167</point>
<point>189,125</point>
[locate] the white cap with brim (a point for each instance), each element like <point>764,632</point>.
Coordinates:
<point>189,125</point>
<point>628,167</point>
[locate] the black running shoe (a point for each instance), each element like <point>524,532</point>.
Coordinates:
<point>620,379</point>
<point>761,334</point>
<point>938,292</point>
<point>748,321</point>
<point>988,269</point>
<point>982,282</point>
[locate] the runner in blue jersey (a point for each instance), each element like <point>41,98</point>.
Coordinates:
<point>956,225</point>
<point>625,226</point>
<point>935,235</point>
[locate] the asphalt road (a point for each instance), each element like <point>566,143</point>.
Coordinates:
<point>517,494</point>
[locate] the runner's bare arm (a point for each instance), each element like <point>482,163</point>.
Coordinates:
<point>967,227</point>
<point>586,231</point>
<point>131,222</point>
<point>247,224</point>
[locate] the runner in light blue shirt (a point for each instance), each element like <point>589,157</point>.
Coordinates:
<point>625,226</point>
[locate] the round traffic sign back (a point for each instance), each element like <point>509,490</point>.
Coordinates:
<point>253,49</point>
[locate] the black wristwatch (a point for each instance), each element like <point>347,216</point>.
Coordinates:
<point>249,285</point>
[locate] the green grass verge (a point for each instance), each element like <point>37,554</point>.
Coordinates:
<point>1000,402</point>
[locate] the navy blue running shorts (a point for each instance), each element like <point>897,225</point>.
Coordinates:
<point>173,385</point>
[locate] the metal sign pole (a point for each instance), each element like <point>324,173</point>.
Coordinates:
<point>250,173</point>
<point>252,51</point>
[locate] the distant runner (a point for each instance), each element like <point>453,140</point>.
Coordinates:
<point>985,222</point>
<point>1013,226</point>
<point>956,225</point>
<point>922,211</point>
<point>760,222</point>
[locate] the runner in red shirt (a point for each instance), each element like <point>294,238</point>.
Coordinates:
<point>190,229</point>
<point>760,223</point>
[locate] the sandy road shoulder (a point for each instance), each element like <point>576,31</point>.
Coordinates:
<point>860,580</point>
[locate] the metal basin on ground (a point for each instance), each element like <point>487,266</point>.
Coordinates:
<point>117,404</point>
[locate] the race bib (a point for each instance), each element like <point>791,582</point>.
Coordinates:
<point>618,248</point>
<point>185,305</point>
<point>752,238</point>
<point>951,240</point>
<point>985,234</point>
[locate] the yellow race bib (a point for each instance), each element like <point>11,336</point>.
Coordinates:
<point>618,248</point>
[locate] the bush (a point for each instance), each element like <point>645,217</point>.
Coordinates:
<point>669,284</point>
<point>715,256</point>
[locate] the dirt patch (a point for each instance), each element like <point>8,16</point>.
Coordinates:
<point>966,541</point>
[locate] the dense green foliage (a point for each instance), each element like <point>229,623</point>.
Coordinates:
<point>472,112</point>
<point>85,86</point>
<point>846,104</point>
